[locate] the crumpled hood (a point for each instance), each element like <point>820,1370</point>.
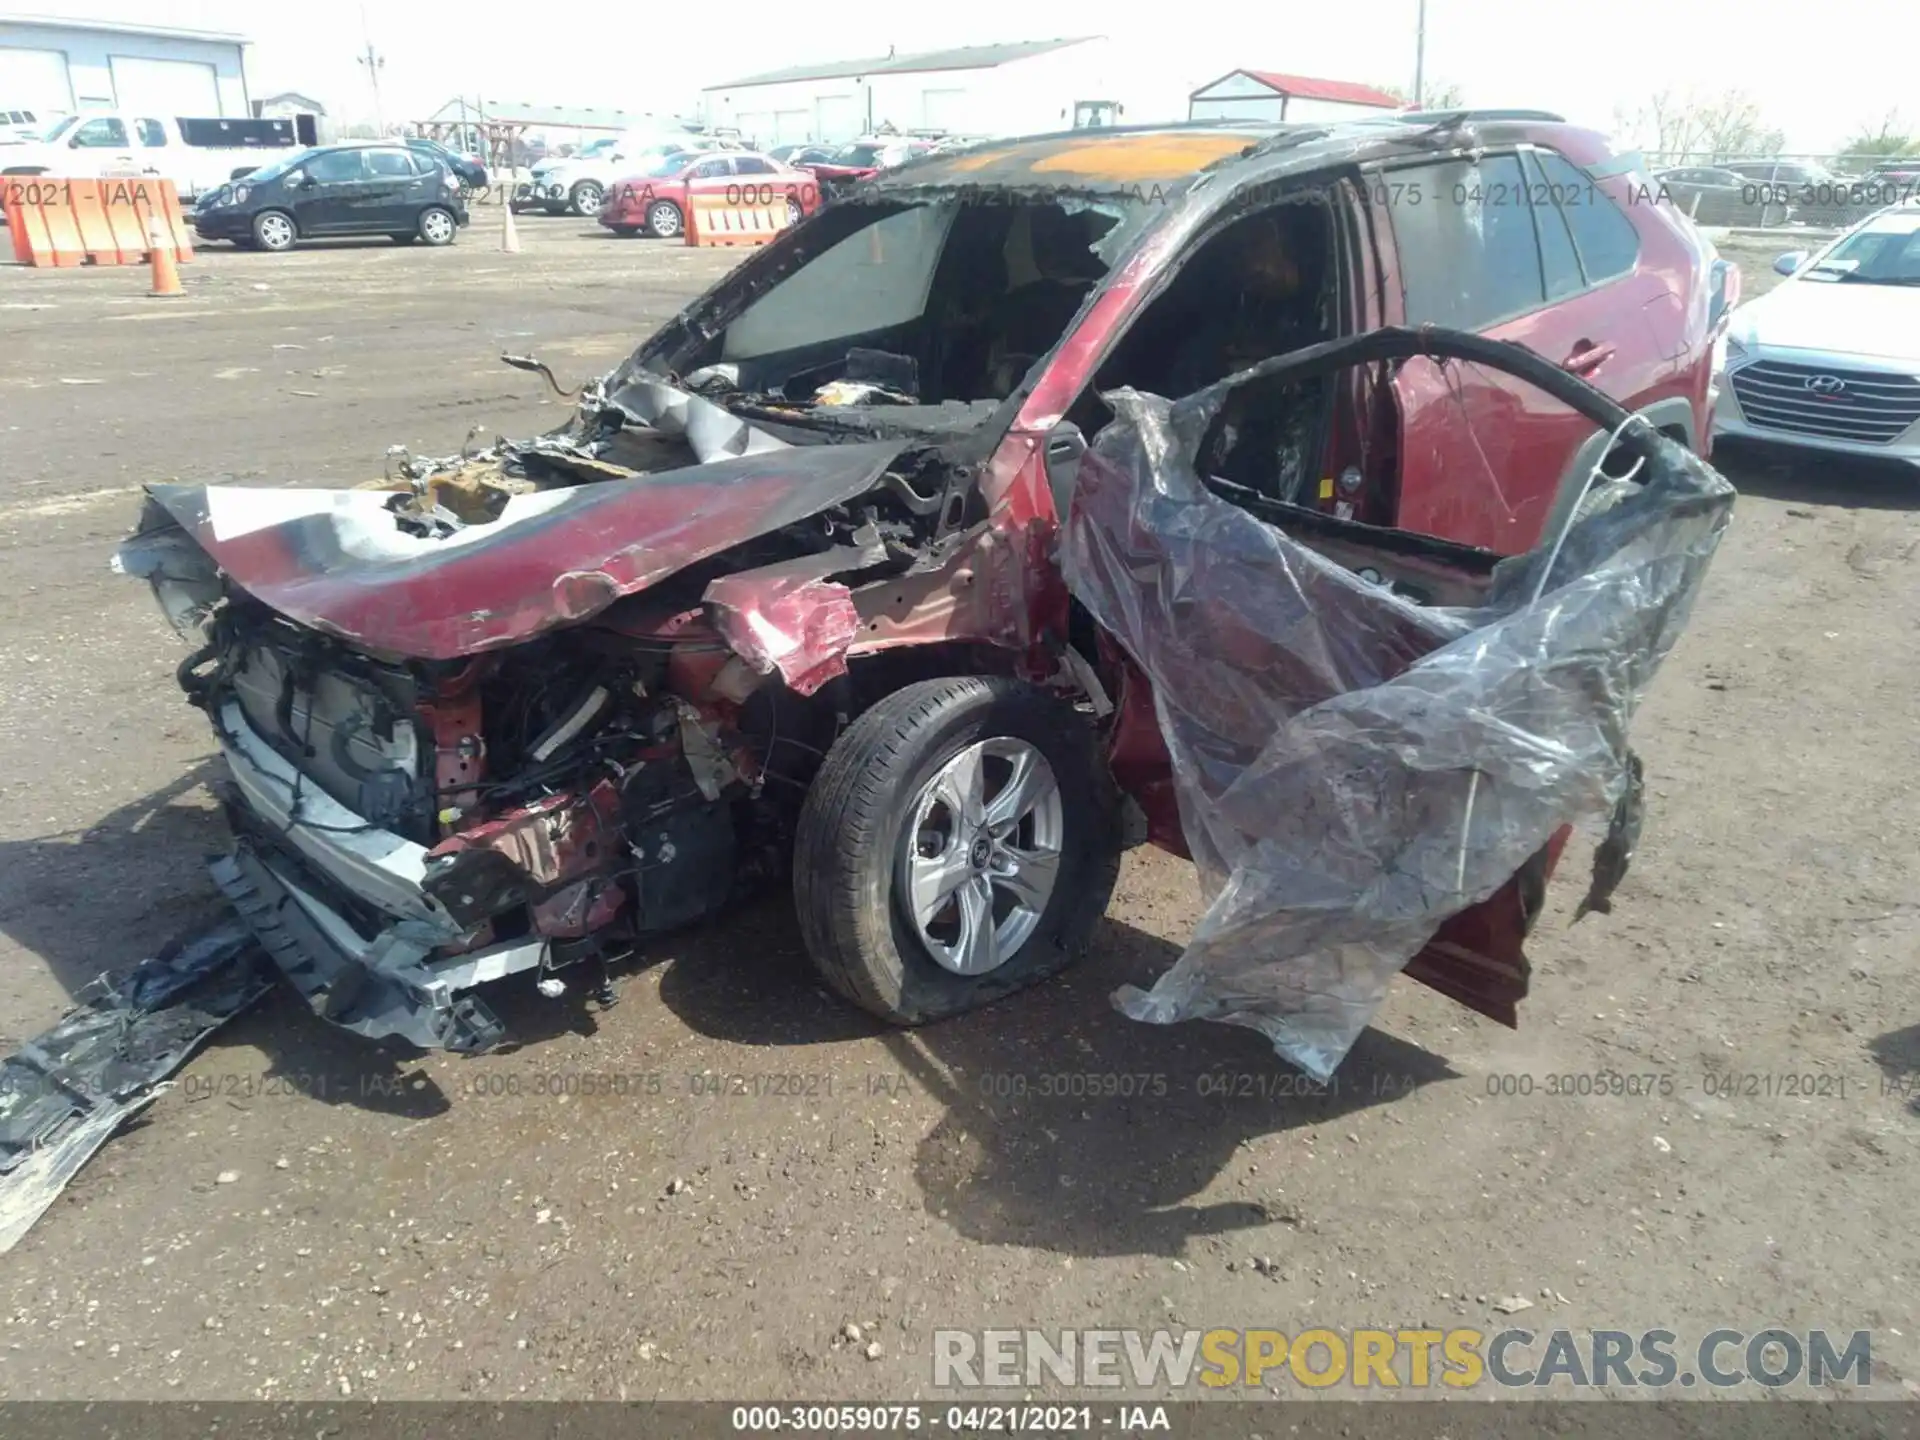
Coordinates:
<point>336,560</point>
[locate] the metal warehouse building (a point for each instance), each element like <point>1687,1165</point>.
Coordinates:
<point>56,66</point>
<point>1036,85</point>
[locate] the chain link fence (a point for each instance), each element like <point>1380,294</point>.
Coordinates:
<point>1800,191</point>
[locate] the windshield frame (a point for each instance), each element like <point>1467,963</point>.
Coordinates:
<point>57,128</point>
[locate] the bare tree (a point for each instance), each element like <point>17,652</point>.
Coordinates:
<point>1889,140</point>
<point>1441,95</point>
<point>1721,126</point>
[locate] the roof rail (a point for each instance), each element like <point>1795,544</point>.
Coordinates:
<point>1461,117</point>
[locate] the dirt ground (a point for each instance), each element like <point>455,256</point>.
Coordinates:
<point>306,1215</point>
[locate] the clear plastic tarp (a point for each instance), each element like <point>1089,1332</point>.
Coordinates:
<point>1352,767</point>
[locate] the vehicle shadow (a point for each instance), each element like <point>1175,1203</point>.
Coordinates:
<point>1068,1127</point>
<point>108,896</point>
<point>1897,1053</point>
<point>1844,481</point>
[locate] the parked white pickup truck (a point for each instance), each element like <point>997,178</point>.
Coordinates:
<point>195,154</point>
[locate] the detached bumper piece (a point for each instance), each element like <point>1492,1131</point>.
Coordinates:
<point>378,988</point>
<point>66,1091</point>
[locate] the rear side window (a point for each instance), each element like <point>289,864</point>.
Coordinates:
<point>151,132</point>
<point>1608,244</point>
<point>711,169</point>
<point>1468,254</point>
<point>1558,261</point>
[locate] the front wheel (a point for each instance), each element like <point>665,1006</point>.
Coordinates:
<point>958,844</point>
<point>437,225</point>
<point>585,197</point>
<point>663,220</point>
<point>273,230</point>
<point>795,212</point>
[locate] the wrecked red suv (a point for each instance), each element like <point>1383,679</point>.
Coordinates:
<point>784,599</point>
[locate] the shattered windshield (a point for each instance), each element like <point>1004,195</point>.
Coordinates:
<point>942,302</point>
<point>858,156</point>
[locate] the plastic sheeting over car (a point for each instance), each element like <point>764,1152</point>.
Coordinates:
<point>1354,768</point>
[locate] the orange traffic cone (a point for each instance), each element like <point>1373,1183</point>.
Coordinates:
<point>166,274</point>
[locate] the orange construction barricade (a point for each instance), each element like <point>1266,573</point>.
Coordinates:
<point>743,215</point>
<point>63,222</point>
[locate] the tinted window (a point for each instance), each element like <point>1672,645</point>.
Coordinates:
<point>752,165</point>
<point>151,132</point>
<point>335,166</point>
<point>1465,240</point>
<point>390,162</point>
<point>101,132</point>
<point>1606,239</point>
<point>708,169</point>
<point>1557,258</point>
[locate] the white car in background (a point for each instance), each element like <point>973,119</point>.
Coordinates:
<point>578,183</point>
<point>1829,359</point>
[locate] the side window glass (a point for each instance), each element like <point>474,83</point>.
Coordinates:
<point>338,166</point>
<point>151,132</point>
<point>100,133</point>
<point>390,162</point>
<point>1608,244</point>
<point>1465,240</point>
<point>1558,259</point>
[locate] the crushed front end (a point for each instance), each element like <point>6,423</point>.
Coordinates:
<point>461,741</point>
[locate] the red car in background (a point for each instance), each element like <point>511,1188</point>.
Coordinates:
<point>656,200</point>
<point>864,159</point>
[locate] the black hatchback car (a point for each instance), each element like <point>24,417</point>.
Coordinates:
<point>336,190</point>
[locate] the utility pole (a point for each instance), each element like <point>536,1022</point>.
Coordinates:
<point>1420,58</point>
<point>374,61</point>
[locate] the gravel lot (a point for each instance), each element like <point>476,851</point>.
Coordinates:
<point>310,1216</point>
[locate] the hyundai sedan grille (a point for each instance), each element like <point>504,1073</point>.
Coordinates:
<point>1868,407</point>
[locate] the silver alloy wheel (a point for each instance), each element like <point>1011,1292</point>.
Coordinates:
<point>276,232</point>
<point>664,219</point>
<point>437,226</point>
<point>586,198</point>
<point>979,854</point>
<point>795,212</point>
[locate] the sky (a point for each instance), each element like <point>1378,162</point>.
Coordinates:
<point>1818,79</point>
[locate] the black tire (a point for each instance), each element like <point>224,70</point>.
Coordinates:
<point>437,225</point>
<point>664,220</point>
<point>274,230</point>
<point>851,826</point>
<point>585,198</point>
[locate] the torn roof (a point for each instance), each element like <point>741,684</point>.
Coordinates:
<point>1080,158</point>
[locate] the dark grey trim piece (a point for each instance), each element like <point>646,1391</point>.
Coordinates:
<point>1672,416</point>
<point>68,1089</point>
<point>387,994</point>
